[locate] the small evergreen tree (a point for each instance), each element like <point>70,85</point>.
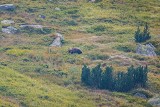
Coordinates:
<point>146,33</point>
<point>130,78</point>
<point>96,76</point>
<point>122,82</point>
<point>107,79</point>
<point>142,36</point>
<point>85,76</point>
<point>137,33</point>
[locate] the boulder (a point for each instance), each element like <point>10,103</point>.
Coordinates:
<point>75,51</point>
<point>146,50</point>
<point>155,101</point>
<point>7,22</point>
<point>58,40</point>
<point>9,30</point>
<point>8,7</point>
<point>58,9</point>
<point>140,95</point>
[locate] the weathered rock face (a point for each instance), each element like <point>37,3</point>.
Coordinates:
<point>155,101</point>
<point>147,50</point>
<point>9,30</point>
<point>58,40</point>
<point>75,51</point>
<point>7,22</point>
<point>8,7</point>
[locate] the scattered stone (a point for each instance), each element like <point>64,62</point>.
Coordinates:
<point>7,22</point>
<point>58,40</point>
<point>75,51</point>
<point>8,7</point>
<point>31,26</point>
<point>140,95</point>
<point>9,30</point>
<point>146,50</point>
<point>92,0</point>
<point>58,9</point>
<point>154,101</point>
<point>42,16</point>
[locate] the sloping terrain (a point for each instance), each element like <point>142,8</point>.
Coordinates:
<point>34,74</point>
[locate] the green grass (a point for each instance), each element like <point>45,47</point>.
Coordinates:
<point>32,92</point>
<point>104,31</point>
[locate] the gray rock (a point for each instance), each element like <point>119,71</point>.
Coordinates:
<point>9,30</point>
<point>58,40</point>
<point>58,9</point>
<point>31,26</point>
<point>146,50</point>
<point>140,95</point>
<point>8,7</point>
<point>7,22</point>
<point>154,101</point>
<point>92,0</point>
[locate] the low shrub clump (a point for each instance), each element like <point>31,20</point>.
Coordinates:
<point>121,82</point>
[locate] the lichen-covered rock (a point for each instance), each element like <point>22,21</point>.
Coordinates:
<point>58,40</point>
<point>75,51</point>
<point>8,7</point>
<point>10,30</point>
<point>146,50</point>
<point>154,101</point>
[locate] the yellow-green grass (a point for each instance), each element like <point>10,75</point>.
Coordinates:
<point>8,102</point>
<point>30,52</point>
<point>31,92</point>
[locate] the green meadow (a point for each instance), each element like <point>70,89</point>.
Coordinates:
<point>34,74</point>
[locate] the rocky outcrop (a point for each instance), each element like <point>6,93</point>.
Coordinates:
<point>146,50</point>
<point>75,51</point>
<point>8,7</point>
<point>154,101</point>
<point>58,40</point>
<point>9,30</point>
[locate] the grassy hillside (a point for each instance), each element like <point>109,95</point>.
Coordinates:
<point>31,92</point>
<point>34,74</point>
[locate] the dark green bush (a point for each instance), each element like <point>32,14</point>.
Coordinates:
<point>31,30</point>
<point>72,23</point>
<point>121,82</point>
<point>142,36</point>
<point>97,29</point>
<point>72,11</point>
